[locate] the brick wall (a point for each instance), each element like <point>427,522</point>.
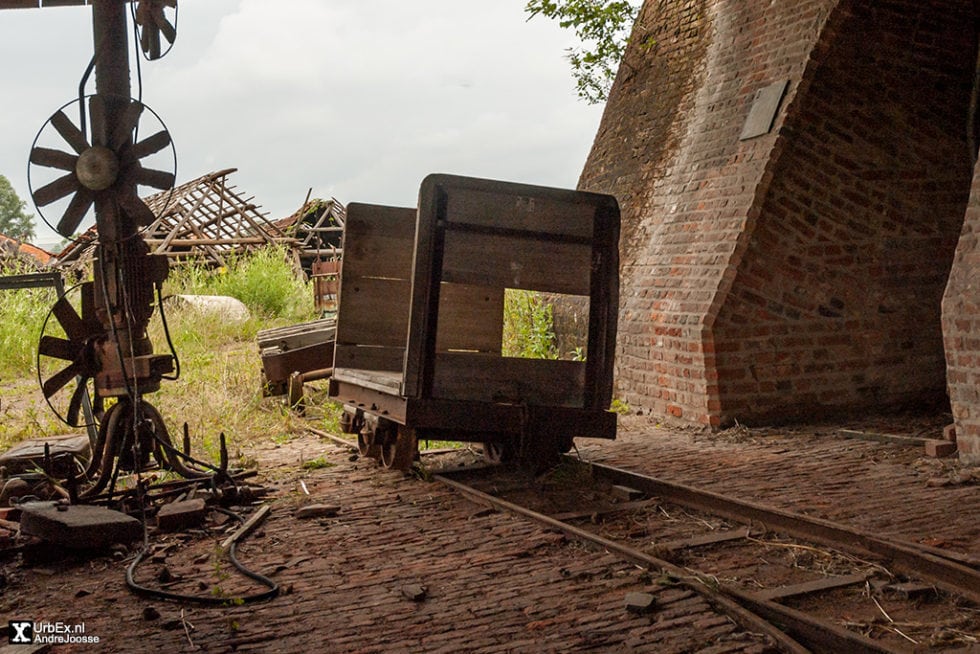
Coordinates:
<point>668,148</point>
<point>800,271</point>
<point>835,305</point>
<point>961,327</point>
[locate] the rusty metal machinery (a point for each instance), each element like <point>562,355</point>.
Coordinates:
<point>99,162</point>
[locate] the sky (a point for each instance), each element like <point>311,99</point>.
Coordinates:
<point>356,99</point>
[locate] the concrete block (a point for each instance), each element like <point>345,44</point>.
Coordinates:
<point>415,592</point>
<point>640,602</point>
<point>940,449</point>
<point>78,526</point>
<point>181,515</point>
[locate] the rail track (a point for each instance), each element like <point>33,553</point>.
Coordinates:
<point>810,584</point>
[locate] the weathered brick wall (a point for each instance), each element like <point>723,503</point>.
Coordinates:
<point>836,300</point>
<point>961,327</point>
<point>799,271</point>
<point>668,148</point>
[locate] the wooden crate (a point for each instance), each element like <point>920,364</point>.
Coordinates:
<point>420,322</point>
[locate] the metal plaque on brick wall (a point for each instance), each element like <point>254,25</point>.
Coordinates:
<point>763,112</point>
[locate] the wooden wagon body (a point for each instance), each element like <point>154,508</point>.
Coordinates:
<point>418,350</point>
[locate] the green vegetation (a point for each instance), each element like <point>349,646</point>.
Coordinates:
<point>219,389</point>
<point>22,313</point>
<point>604,29</point>
<point>14,221</point>
<point>262,280</point>
<point>317,464</point>
<point>529,326</point>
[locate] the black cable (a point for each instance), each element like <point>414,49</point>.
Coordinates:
<point>166,332</point>
<point>209,600</point>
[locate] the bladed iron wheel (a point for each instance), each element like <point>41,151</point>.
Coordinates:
<point>152,22</point>
<point>72,342</point>
<point>103,165</point>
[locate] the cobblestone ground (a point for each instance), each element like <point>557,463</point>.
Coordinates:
<point>887,489</point>
<point>494,583</point>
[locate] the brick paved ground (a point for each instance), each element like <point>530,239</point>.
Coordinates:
<point>887,489</point>
<point>495,583</point>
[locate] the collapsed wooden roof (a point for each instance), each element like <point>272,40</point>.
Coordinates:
<point>204,219</point>
<point>317,228</point>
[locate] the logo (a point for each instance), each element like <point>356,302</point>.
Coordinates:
<point>21,632</point>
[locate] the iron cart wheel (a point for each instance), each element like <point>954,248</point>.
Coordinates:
<point>502,451</point>
<point>400,453</point>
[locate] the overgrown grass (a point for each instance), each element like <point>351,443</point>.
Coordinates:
<point>22,313</point>
<point>529,331</point>
<point>262,280</point>
<point>219,389</point>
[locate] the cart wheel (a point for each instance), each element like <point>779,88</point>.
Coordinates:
<point>400,453</point>
<point>366,446</point>
<point>499,451</point>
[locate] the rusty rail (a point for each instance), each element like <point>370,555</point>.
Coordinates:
<point>787,627</point>
<point>951,575</point>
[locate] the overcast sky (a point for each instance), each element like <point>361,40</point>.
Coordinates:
<point>358,99</point>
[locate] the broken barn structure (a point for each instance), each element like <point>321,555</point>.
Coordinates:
<point>800,205</point>
<point>205,219</point>
<point>317,229</point>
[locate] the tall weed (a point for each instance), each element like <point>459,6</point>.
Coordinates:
<point>263,280</point>
<point>529,331</point>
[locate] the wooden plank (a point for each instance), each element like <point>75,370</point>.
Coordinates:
<point>369,357</point>
<point>373,311</point>
<point>603,309</point>
<point>378,241</point>
<point>470,318</point>
<point>253,521</point>
<point>278,365</point>
<point>808,587</point>
<point>536,213</point>
<point>612,509</point>
<point>702,540</point>
<point>515,262</point>
<point>380,380</point>
<point>912,441</point>
<point>490,378</point>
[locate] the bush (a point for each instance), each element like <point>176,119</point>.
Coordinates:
<point>263,280</point>
<point>528,326</point>
<point>22,313</point>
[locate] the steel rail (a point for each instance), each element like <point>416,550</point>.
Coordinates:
<point>946,573</point>
<point>787,627</point>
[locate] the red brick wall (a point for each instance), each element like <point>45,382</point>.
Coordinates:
<point>961,327</point>
<point>835,304</point>
<point>800,271</point>
<point>668,148</point>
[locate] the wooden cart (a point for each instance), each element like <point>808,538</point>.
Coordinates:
<point>420,323</point>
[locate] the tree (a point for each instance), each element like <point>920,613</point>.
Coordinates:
<point>603,28</point>
<point>14,221</point>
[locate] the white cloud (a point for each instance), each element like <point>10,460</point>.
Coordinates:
<point>356,98</point>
